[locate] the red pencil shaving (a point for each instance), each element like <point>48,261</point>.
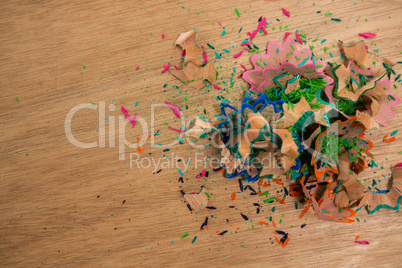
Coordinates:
<point>175,109</point>
<point>131,119</point>
<point>299,39</point>
<point>286,13</point>
<point>244,67</point>
<point>175,129</point>
<point>166,68</point>
<point>183,53</point>
<point>367,35</point>
<point>362,242</point>
<point>237,55</point>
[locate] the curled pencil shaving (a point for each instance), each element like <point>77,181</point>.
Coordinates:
<point>349,132</point>
<point>196,76</point>
<point>200,127</point>
<point>391,199</point>
<point>194,53</point>
<point>344,77</point>
<point>353,191</point>
<point>363,92</point>
<point>321,199</point>
<point>294,113</point>
<point>359,54</point>
<point>279,60</point>
<point>259,115</point>
<point>367,121</point>
<point>289,149</point>
<point>197,201</point>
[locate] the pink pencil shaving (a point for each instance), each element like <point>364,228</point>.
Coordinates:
<point>399,165</point>
<point>286,35</point>
<point>237,55</point>
<point>166,68</point>
<point>261,25</point>
<point>175,109</point>
<point>203,173</point>
<point>244,67</point>
<point>131,119</point>
<point>286,13</point>
<point>299,39</point>
<point>204,54</point>
<point>367,35</point>
<point>175,67</point>
<point>363,242</point>
<point>137,67</point>
<point>246,44</point>
<point>163,36</point>
<point>175,129</point>
<point>252,35</point>
<point>217,87</point>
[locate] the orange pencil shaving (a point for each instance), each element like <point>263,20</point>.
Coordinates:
<point>389,140</point>
<point>286,241</point>
<point>279,181</point>
<point>304,212</point>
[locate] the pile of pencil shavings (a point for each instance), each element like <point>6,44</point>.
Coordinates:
<point>309,120</point>
<point>305,119</point>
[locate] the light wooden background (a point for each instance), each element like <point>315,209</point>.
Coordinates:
<point>63,206</point>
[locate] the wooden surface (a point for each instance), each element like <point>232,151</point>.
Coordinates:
<point>63,205</point>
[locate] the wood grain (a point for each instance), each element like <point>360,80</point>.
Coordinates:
<point>64,206</point>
